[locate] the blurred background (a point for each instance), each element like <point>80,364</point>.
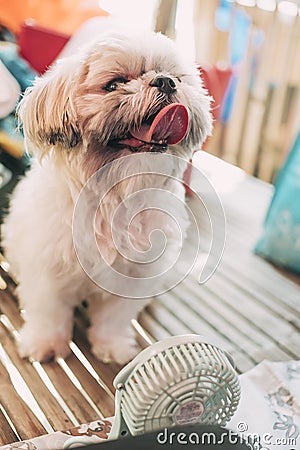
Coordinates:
<point>248,52</point>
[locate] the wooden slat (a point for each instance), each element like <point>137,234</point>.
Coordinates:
<point>8,433</point>
<point>156,330</point>
<point>222,321</point>
<point>107,371</point>
<point>282,306</point>
<point>193,322</point>
<point>57,417</point>
<point>82,411</point>
<point>97,390</point>
<point>256,322</point>
<point>23,419</point>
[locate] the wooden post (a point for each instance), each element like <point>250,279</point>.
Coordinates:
<point>166,17</point>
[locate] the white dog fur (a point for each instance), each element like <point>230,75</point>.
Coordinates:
<point>70,117</point>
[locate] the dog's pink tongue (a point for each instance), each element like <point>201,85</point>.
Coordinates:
<point>170,126</point>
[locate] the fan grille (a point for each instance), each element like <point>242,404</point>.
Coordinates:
<point>186,383</point>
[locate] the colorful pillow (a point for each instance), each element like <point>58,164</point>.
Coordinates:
<point>280,241</point>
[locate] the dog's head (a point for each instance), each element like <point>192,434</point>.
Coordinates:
<point>103,101</point>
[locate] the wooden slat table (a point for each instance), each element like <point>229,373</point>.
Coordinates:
<point>248,306</point>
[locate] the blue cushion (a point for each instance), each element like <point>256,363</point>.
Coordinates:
<point>280,241</point>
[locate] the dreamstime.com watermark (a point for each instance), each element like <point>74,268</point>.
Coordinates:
<point>254,441</point>
<point>130,223</point>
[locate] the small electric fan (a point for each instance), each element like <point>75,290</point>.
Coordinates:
<point>177,381</point>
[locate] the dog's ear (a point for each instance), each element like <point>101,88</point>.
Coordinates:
<point>47,113</point>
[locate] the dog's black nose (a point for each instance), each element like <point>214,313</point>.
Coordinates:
<point>164,84</point>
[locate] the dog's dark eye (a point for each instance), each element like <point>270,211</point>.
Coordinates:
<point>113,84</point>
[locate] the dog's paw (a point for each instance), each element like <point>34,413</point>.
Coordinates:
<point>42,346</point>
<point>119,350</point>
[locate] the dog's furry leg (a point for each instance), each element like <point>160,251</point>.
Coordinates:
<point>111,334</point>
<point>48,319</point>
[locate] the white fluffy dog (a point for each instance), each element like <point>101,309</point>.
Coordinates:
<point>86,111</point>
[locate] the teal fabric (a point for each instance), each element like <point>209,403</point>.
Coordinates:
<point>280,241</point>
<point>24,75</point>
<point>17,66</point>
